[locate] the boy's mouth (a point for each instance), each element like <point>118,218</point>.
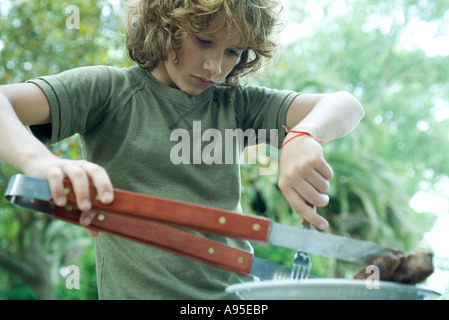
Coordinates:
<point>203,81</point>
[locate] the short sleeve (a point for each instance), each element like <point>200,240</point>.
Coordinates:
<point>265,108</point>
<point>80,100</point>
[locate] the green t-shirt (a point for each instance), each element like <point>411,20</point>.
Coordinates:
<point>157,140</point>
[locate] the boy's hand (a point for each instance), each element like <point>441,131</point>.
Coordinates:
<point>80,173</point>
<point>304,176</point>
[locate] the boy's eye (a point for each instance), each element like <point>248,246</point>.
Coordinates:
<point>204,41</point>
<point>207,43</point>
<point>234,53</point>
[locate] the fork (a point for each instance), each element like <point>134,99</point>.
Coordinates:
<point>301,262</point>
<point>301,266</point>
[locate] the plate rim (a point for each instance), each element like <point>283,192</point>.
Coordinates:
<point>357,283</point>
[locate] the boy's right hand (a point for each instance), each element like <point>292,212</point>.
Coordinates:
<point>81,174</point>
<point>25,104</point>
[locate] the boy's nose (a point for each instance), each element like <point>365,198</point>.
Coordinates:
<point>212,64</point>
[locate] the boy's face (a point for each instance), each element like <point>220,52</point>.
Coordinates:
<point>203,60</point>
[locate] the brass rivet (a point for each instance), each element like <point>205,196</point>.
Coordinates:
<point>240,260</point>
<point>66,190</point>
<point>222,220</point>
<point>211,250</point>
<point>101,217</point>
<point>256,227</point>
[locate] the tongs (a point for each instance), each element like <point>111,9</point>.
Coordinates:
<point>147,219</point>
<point>157,221</point>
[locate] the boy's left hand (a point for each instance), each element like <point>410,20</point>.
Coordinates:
<point>304,177</point>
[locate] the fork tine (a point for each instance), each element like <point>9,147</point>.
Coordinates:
<point>299,272</point>
<point>302,272</point>
<point>301,262</point>
<point>301,266</point>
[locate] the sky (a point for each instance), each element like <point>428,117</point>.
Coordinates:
<point>431,37</point>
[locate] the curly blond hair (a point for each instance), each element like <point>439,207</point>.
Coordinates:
<point>157,27</point>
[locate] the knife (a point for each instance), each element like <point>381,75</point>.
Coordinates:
<point>35,194</point>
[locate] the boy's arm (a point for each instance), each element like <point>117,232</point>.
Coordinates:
<point>325,116</point>
<point>29,102</point>
<point>26,104</point>
<point>303,171</point>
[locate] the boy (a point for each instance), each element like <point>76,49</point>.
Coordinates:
<point>190,56</point>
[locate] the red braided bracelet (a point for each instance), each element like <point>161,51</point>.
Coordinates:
<point>299,134</point>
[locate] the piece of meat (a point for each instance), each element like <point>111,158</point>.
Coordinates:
<point>410,268</point>
<point>415,267</point>
<point>387,266</point>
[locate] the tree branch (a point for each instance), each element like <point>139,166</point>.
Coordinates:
<point>11,263</point>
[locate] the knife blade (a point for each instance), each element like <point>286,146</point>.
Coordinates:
<point>34,193</point>
<point>327,245</point>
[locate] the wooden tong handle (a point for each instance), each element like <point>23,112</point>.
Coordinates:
<point>166,238</point>
<point>183,214</point>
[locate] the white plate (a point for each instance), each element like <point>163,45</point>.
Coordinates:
<point>329,289</point>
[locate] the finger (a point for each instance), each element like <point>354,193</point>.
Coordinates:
<point>80,185</point>
<point>325,170</point>
<point>318,172</point>
<point>55,177</point>
<point>310,194</point>
<point>309,182</point>
<point>306,210</point>
<point>101,181</point>
<point>293,187</point>
<point>317,181</point>
<point>86,217</point>
<point>311,185</point>
<point>92,233</point>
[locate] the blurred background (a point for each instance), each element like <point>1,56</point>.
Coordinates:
<point>391,175</point>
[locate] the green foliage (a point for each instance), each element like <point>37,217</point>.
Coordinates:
<point>12,288</point>
<point>88,279</point>
<point>397,150</point>
<point>35,41</point>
